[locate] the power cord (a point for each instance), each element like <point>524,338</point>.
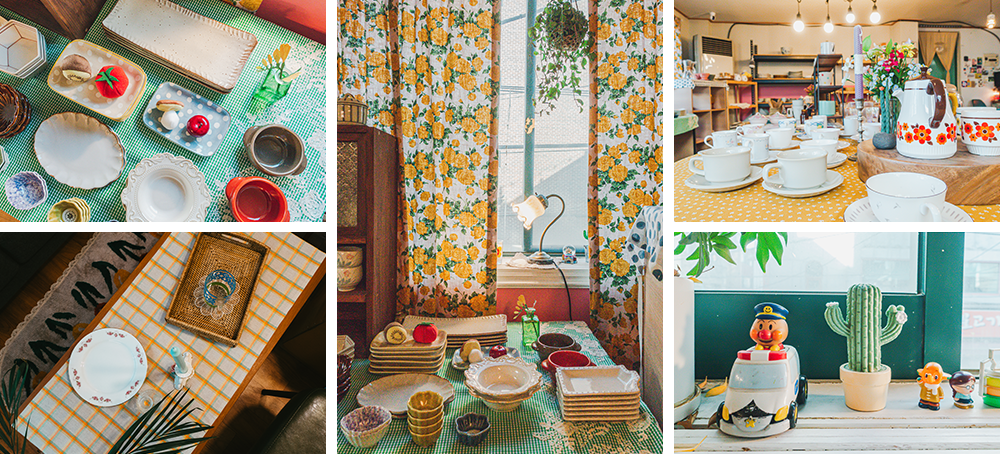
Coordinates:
<point>569,301</point>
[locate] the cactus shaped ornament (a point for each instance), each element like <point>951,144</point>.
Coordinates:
<point>865,378</point>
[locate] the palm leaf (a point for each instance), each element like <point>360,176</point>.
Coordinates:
<point>159,430</point>
<point>10,401</point>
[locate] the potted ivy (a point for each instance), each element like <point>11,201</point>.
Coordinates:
<point>706,244</point>
<point>563,38</point>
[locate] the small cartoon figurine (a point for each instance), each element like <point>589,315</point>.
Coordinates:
<point>769,329</point>
<point>963,384</point>
<point>930,378</point>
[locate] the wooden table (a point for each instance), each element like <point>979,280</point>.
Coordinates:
<point>754,204</point>
<point>61,422</point>
<point>825,423</point>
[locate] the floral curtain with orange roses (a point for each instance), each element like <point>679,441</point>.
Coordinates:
<point>437,93</point>
<point>626,162</point>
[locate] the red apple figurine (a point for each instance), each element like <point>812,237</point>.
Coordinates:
<point>425,333</point>
<point>197,126</point>
<point>498,351</point>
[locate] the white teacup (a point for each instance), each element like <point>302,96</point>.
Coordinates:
<point>758,146</point>
<point>722,165</point>
<point>780,137</point>
<point>798,169</point>
<point>825,133</point>
<point>906,197</point>
<point>871,129</point>
<point>828,146</point>
<point>851,125</point>
<point>786,123</point>
<point>750,129</point>
<point>722,139</point>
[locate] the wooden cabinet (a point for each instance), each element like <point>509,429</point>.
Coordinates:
<point>708,102</point>
<point>70,18</point>
<point>367,197</point>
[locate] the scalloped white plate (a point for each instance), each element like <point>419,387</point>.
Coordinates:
<point>79,151</point>
<point>107,367</point>
<point>596,381</point>
<point>165,188</point>
<point>394,391</point>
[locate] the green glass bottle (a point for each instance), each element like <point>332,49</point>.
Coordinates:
<point>530,327</point>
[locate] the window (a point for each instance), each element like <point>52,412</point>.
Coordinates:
<point>551,159</point>
<point>981,298</point>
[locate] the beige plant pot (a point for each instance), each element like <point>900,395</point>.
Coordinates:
<point>865,391</point>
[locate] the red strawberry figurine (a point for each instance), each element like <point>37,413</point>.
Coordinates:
<point>425,333</point>
<point>498,351</point>
<point>197,126</point>
<point>111,81</point>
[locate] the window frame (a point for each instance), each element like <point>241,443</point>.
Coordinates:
<point>933,331</point>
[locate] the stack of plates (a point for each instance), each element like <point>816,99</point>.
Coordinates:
<point>345,346</point>
<point>408,357</point>
<point>20,40</point>
<point>343,376</point>
<point>598,393</point>
<point>489,330</point>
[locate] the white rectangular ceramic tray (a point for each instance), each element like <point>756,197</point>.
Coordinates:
<point>218,119</point>
<point>380,345</point>
<point>462,326</point>
<point>208,49</point>
<point>86,94</point>
<point>596,381</point>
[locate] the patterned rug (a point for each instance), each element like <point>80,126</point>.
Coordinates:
<point>72,302</point>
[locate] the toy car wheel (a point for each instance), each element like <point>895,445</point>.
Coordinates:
<point>793,415</point>
<point>803,390</point>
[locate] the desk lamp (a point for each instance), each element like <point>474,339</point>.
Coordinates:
<point>530,209</point>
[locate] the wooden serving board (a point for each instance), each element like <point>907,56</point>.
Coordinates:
<point>971,179</point>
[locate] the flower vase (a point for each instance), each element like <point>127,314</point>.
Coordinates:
<point>530,327</point>
<point>270,91</point>
<point>889,114</point>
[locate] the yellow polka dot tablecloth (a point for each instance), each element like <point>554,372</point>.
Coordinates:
<point>754,204</point>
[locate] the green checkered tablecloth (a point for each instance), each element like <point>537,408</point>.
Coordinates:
<point>535,427</point>
<point>303,110</point>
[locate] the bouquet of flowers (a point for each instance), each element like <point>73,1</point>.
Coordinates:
<point>892,64</point>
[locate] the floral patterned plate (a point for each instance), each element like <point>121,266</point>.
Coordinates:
<point>107,367</point>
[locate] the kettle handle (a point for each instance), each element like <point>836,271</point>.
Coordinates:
<point>936,88</point>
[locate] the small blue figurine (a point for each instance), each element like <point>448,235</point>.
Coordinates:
<point>963,384</point>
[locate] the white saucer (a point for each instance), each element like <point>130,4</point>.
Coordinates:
<point>833,179</point>
<point>795,144</point>
<point>861,211</point>
<point>841,144</point>
<point>700,183</point>
<point>771,157</point>
<point>838,159</point>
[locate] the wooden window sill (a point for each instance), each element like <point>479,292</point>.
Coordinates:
<point>826,424</point>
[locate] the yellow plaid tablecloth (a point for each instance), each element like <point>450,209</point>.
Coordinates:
<point>754,204</point>
<point>61,422</point>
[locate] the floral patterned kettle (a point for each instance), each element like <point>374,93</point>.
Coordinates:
<point>926,128</point>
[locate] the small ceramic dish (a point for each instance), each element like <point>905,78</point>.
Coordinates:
<point>349,256</point>
<point>218,118</point>
<point>552,342</point>
<point>26,190</point>
<point>365,426</point>
<point>219,287</point>
<point>165,188</point>
<point>424,404</point>
<point>425,429</point>
<point>472,428</point>
<point>23,49</point>
<point>435,419</point>
<point>565,358</point>
<point>86,94</point>
<point>426,440</point>
<point>79,151</point>
<point>70,210</point>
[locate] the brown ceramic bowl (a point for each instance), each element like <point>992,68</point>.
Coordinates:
<point>553,342</point>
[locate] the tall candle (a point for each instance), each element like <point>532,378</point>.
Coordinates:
<point>859,61</point>
<point>182,366</point>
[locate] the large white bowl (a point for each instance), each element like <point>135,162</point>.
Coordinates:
<point>503,376</point>
<point>79,151</point>
<point>165,188</point>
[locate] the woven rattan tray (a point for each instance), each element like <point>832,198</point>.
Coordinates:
<point>243,258</point>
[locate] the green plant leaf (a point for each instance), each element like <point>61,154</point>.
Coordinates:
<point>724,253</point>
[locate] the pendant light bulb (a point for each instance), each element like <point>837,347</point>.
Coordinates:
<point>799,25</point>
<point>850,14</point>
<point>875,17</point>
<point>828,26</point>
<point>991,21</point>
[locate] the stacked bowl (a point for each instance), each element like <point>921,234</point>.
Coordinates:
<point>503,383</point>
<point>349,269</point>
<point>343,376</point>
<point>15,111</point>
<point>425,417</point>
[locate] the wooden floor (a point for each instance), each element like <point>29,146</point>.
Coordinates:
<point>245,423</point>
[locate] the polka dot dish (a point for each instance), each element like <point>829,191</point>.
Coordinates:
<point>218,119</point>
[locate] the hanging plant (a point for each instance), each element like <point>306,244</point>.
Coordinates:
<point>563,39</point>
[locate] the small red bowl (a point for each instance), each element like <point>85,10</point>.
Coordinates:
<point>565,358</point>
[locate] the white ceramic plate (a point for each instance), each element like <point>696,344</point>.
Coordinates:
<point>838,159</point>
<point>389,363</point>
<point>700,183</point>
<point>462,326</point>
<point>861,211</point>
<point>107,367</point>
<point>833,180</point>
<point>596,380</point>
<point>380,345</point>
<point>165,188</point>
<point>86,94</point>
<point>79,151</point>
<point>207,50</point>
<point>218,119</point>
<point>771,157</point>
<point>394,392</point>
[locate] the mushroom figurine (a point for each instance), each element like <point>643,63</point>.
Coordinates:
<point>170,119</point>
<point>76,68</point>
<point>111,81</point>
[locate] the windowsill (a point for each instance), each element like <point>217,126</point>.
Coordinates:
<point>826,423</point>
<point>577,276</point>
